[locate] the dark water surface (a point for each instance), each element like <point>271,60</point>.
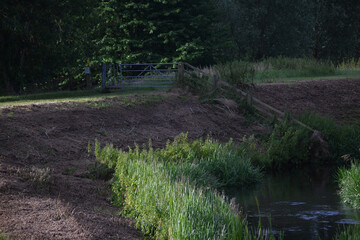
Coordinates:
<point>303,204</point>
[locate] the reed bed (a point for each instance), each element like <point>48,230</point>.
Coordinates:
<point>171,192</point>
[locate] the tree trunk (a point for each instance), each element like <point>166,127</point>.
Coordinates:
<point>8,85</point>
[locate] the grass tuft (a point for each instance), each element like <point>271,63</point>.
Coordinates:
<point>349,233</point>
<point>40,178</point>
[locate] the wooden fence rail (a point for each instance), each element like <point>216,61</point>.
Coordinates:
<point>263,108</point>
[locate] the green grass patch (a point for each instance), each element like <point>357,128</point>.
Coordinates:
<point>65,96</point>
<point>282,68</point>
<point>171,192</point>
<point>349,183</point>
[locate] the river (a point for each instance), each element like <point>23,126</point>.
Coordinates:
<point>302,204</point>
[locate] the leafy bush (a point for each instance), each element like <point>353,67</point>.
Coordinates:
<point>287,146</point>
<point>342,139</point>
<point>349,182</point>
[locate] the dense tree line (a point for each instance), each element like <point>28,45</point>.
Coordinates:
<point>327,29</point>
<point>44,43</point>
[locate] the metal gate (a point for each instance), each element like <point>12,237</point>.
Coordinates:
<point>145,75</point>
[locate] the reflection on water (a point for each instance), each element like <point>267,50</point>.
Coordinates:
<point>303,204</point>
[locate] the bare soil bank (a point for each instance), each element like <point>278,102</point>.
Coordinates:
<point>336,98</point>
<point>56,136</point>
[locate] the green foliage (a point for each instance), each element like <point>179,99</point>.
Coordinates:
<point>298,28</point>
<point>266,28</point>
<point>167,190</point>
<point>342,139</point>
<point>287,146</point>
<point>349,233</point>
<point>349,183</point>
<point>158,31</point>
<point>43,43</point>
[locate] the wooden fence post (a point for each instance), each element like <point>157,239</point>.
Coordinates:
<point>216,80</point>
<point>180,72</point>
<point>103,75</point>
<point>88,75</point>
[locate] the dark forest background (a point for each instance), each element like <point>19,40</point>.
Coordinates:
<point>44,44</point>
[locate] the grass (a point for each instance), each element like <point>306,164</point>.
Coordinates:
<point>349,233</point>
<point>171,192</point>
<point>283,69</point>
<point>349,183</point>
<point>65,96</point>
<point>3,236</point>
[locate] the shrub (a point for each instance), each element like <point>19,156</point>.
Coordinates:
<point>349,182</point>
<point>342,139</point>
<point>287,146</point>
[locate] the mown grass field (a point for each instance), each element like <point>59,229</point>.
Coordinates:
<point>74,96</point>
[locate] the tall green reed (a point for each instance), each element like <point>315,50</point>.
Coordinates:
<point>171,193</point>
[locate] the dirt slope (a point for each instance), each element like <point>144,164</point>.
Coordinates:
<point>70,205</point>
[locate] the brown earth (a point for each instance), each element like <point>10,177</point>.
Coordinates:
<point>336,98</point>
<point>65,203</point>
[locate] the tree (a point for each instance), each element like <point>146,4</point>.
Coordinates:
<point>264,28</point>
<point>39,40</point>
<point>336,29</point>
<point>158,30</point>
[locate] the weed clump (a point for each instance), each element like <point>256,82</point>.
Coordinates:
<point>349,183</point>
<point>40,178</point>
<point>287,146</point>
